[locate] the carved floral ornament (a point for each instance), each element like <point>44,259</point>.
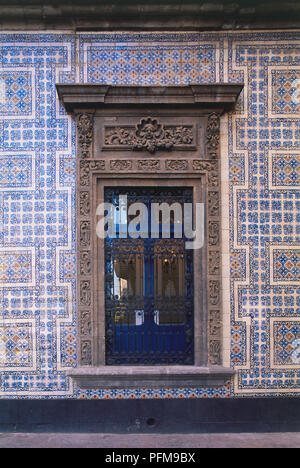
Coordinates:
<point>149,135</point>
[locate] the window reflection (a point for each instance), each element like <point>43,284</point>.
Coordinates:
<point>128,283</point>
<point>128,277</point>
<point>169,282</point>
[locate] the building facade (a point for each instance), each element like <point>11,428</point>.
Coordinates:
<point>259,208</point>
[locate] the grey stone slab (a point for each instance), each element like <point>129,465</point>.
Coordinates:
<point>155,441</point>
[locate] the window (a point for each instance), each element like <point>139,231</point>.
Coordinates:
<point>149,310</point>
<point>149,288</point>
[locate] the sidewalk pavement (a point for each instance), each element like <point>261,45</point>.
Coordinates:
<point>155,441</point>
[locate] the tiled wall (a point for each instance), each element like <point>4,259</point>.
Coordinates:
<point>260,186</point>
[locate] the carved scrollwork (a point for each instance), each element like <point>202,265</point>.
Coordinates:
<point>177,165</point>
<point>121,165</point>
<point>84,203</point>
<point>85,126</point>
<point>86,167</point>
<point>215,323</point>
<point>85,323</point>
<point>149,135</point>
<point>213,204</point>
<point>215,349</point>
<point>210,168</point>
<point>86,353</point>
<point>213,135</point>
<point>85,263</point>
<point>214,262</point>
<point>148,165</point>
<point>214,292</point>
<point>85,293</point>
<point>213,233</point>
<point>85,233</point>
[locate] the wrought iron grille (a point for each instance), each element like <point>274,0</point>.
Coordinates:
<point>149,289</point>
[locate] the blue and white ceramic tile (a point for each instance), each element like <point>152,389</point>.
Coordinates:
<point>38,341</point>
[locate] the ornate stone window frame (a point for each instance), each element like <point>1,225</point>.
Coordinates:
<point>114,148</point>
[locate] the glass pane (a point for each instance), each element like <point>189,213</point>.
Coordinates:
<point>128,282</point>
<point>169,281</point>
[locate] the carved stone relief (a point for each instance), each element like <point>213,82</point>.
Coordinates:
<point>149,135</point>
<point>214,260</point>
<point>85,233</point>
<point>85,133</point>
<point>177,165</point>
<point>85,293</point>
<point>121,165</point>
<point>85,263</point>
<point>86,168</point>
<point>85,323</point>
<point>86,353</point>
<point>214,292</point>
<point>213,204</point>
<point>213,233</point>
<point>84,203</point>
<point>148,165</point>
<point>213,135</point>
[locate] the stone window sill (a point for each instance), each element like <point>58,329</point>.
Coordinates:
<point>113,377</point>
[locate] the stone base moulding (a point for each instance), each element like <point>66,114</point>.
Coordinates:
<point>114,377</point>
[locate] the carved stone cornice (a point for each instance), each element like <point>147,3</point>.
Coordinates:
<point>218,97</point>
<point>165,15</point>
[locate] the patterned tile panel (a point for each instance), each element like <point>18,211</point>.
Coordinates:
<point>286,170</point>
<point>15,171</point>
<point>16,345</point>
<point>15,93</point>
<point>158,65</point>
<point>286,91</point>
<point>287,265</point>
<point>287,343</point>
<point>15,267</point>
